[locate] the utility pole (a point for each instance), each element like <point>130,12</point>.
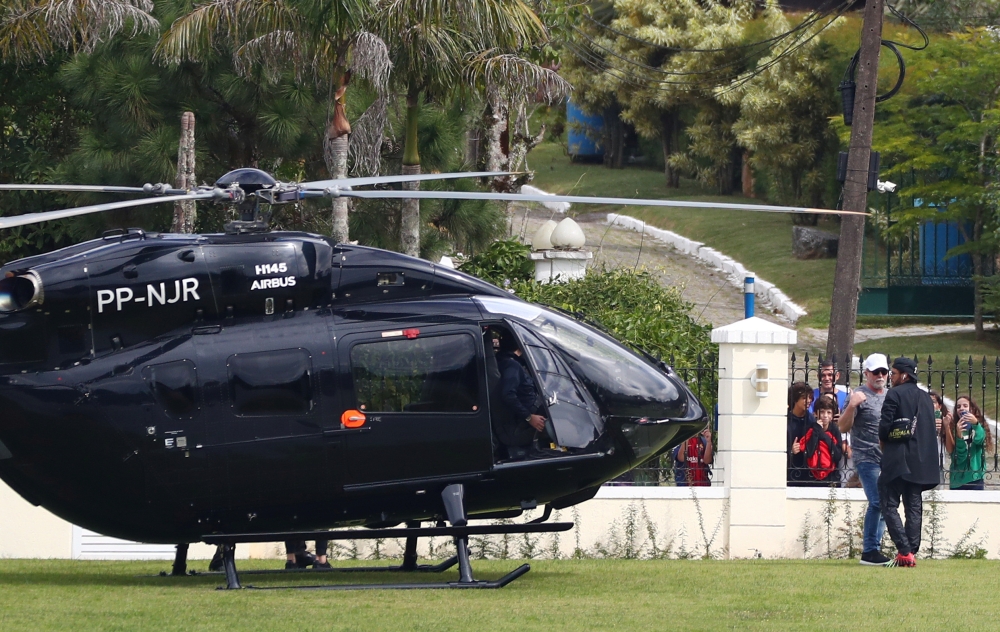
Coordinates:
<point>847,280</point>
<point>185,212</point>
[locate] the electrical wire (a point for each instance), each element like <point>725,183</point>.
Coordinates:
<point>799,33</point>
<point>894,46</point>
<point>598,63</point>
<point>813,15</point>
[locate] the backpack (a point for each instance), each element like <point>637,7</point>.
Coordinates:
<point>820,462</point>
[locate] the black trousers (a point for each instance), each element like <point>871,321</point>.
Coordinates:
<point>298,546</point>
<point>906,539</point>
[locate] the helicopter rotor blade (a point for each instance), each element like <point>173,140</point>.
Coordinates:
<point>33,218</point>
<point>156,189</point>
<point>580,199</point>
<point>360,182</point>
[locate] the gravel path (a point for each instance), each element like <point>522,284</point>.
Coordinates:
<point>715,301</point>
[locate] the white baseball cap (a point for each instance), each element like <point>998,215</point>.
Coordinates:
<point>876,361</point>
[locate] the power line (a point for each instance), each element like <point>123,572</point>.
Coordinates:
<point>594,61</point>
<point>811,17</point>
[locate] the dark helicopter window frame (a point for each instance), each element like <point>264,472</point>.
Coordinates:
<point>271,383</point>
<point>430,374</point>
<point>174,385</point>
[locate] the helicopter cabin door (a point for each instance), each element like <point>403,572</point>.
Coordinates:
<point>574,420</point>
<point>421,393</point>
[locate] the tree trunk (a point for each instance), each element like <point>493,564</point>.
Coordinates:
<point>668,140</point>
<point>337,165</point>
<point>472,142</point>
<point>748,180</point>
<point>185,213</point>
<point>614,138</point>
<point>729,173</point>
<point>847,277</point>
<point>495,123</point>
<point>336,147</point>
<point>977,279</point>
<point>409,228</point>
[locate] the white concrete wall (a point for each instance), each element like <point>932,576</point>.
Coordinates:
<point>32,532</point>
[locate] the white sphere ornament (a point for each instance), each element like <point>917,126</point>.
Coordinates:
<point>568,235</point>
<point>543,236</point>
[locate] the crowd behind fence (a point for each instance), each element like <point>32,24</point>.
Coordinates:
<point>950,377</point>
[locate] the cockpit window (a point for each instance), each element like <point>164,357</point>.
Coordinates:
<point>624,383</point>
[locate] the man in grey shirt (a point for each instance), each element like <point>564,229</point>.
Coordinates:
<point>861,418</point>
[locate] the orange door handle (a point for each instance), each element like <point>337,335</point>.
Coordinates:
<point>352,419</point>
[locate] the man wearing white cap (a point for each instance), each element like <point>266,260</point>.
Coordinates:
<point>861,418</point>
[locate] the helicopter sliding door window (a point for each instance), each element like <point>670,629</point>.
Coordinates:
<point>271,382</point>
<point>174,385</point>
<point>436,374</point>
<point>576,419</point>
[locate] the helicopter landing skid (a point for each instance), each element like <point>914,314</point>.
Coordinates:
<point>460,530</point>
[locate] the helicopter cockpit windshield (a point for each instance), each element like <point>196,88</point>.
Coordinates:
<point>624,384</point>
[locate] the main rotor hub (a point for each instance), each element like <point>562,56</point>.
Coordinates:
<point>249,179</point>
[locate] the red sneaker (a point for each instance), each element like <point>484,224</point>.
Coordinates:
<point>907,560</point>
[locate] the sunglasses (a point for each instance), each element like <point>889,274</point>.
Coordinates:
<point>879,372</point>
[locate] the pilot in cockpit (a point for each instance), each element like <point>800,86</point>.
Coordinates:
<point>519,423</point>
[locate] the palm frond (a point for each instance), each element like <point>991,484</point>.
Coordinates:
<point>512,78</point>
<point>370,61</point>
<point>367,134</point>
<point>34,29</point>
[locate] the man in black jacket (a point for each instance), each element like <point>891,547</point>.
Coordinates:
<point>520,423</point>
<point>909,457</point>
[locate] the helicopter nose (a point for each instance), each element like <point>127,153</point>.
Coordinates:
<point>649,436</point>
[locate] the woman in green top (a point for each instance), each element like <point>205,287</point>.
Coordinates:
<point>967,439</point>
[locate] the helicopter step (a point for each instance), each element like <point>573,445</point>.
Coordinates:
<point>460,530</point>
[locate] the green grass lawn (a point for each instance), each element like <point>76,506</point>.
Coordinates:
<point>760,241</point>
<point>555,595</point>
<point>943,349</point>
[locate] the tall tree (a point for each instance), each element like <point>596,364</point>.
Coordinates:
<point>321,40</point>
<point>36,29</point>
<point>783,123</point>
<point>430,44</point>
<point>943,137</point>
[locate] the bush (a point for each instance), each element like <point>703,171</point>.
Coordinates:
<point>503,263</point>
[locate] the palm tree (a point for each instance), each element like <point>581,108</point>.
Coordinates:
<point>322,40</point>
<point>35,29</point>
<point>431,43</point>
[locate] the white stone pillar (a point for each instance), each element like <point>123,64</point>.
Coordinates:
<point>560,265</point>
<point>752,434</point>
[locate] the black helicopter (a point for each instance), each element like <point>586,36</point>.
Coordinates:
<point>258,385</point>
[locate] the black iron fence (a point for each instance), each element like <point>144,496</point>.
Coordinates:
<point>703,380</point>
<point>951,377</point>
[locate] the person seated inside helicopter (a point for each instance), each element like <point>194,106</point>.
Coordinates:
<point>518,423</point>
